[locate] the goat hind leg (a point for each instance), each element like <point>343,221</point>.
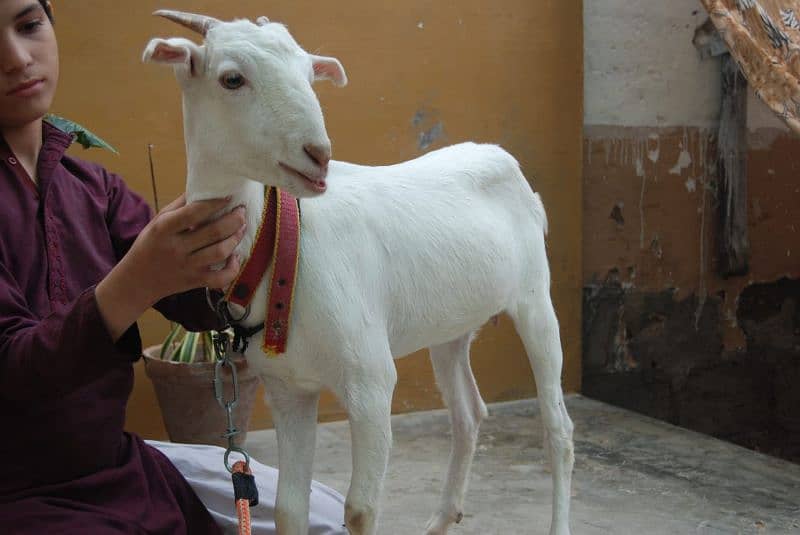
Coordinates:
<point>294,412</point>
<point>537,325</point>
<point>460,393</point>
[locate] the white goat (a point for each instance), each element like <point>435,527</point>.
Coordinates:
<point>392,259</point>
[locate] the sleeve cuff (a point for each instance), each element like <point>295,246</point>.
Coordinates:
<point>128,348</point>
<point>129,344</point>
<point>191,310</point>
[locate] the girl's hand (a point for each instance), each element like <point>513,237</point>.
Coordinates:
<point>177,251</point>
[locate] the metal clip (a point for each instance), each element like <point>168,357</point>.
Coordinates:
<point>221,346</point>
<point>219,393</point>
<point>223,310</point>
<point>240,451</point>
<point>221,349</point>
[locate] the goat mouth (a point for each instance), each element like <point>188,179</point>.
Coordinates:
<point>316,185</point>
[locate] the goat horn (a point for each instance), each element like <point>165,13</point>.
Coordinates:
<point>199,23</point>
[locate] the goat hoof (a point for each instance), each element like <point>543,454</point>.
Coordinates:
<point>439,523</point>
<point>359,520</point>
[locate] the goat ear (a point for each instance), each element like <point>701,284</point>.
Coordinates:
<point>176,51</point>
<point>326,68</point>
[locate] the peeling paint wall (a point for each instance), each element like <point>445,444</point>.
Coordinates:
<point>663,333</point>
<point>640,67</point>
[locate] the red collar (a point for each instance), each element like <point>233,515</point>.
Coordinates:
<point>278,238</point>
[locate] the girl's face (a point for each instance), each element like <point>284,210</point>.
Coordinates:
<point>28,63</point>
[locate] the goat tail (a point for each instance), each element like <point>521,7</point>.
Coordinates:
<point>536,205</point>
<point>539,213</point>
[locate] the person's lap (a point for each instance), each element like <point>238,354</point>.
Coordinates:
<point>203,468</point>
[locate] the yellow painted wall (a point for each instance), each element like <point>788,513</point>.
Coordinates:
<point>507,72</point>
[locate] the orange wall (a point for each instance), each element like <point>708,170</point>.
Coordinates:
<point>507,72</point>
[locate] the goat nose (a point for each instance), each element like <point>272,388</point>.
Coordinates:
<point>319,154</point>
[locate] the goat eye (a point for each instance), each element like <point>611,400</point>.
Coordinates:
<point>232,80</point>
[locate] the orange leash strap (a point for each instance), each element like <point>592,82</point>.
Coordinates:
<point>245,493</point>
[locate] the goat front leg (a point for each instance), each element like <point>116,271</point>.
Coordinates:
<point>367,396</point>
<point>294,413</point>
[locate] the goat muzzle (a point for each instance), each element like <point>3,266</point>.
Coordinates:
<point>199,23</point>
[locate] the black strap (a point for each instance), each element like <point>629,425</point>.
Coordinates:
<point>242,335</point>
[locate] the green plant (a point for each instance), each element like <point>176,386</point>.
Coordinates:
<point>185,346</point>
<point>82,135</point>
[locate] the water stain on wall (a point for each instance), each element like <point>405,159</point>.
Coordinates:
<point>428,127</point>
<point>663,333</point>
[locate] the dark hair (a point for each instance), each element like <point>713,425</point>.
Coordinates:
<point>47,10</point>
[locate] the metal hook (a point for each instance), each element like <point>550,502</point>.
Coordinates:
<point>223,310</point>
<point>219,394</point>
<point>243,316</point>
<point>240,451</point>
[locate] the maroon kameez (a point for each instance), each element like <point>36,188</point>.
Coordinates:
<point>66,465</point>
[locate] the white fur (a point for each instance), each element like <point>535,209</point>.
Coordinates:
<point>392,259</point>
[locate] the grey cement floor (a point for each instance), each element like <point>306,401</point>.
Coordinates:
<point>633,475</point>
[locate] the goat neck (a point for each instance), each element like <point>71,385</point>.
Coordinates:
<point>205,180</point>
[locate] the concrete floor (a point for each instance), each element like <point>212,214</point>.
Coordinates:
<point>633,475</point>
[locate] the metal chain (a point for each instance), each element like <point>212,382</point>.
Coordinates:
<point>222,351</point>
